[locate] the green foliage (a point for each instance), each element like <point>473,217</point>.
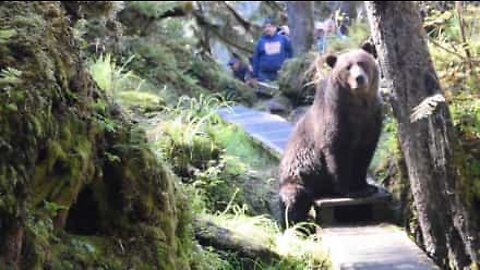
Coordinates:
<point>131,91</point>
<point>10,76</point>
<point>166,66</point>
<point>111,78</point>
<point>387,168</point>
<point>358,32</point>
<point>465,110</point>
<point>186,141</point>
<point>296,76</point>
<point>441,24</point>
<point>296,250</point>
<point>217,186</point>
<point>240,149</point>
<point>52,208</point>
<point>105,123</point>
<point>448,49</point>
<point>461,84</point>
<point>6,34</point>
<point>212,77</point>
<point>211,156</point>
<point>142,100</point>
<point>208,258</point>
<point>154,9</point>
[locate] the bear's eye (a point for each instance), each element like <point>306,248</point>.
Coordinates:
<point>349,66</point>
<point>362,65</point>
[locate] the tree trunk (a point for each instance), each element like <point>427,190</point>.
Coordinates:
<point>300,22</point>
<point>427,144</point>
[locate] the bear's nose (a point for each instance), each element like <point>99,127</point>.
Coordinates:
<point>360,80</point>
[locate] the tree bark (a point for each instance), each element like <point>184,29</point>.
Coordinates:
<point>13,246</point>
<point>300,22</point>
<point>427,144</point>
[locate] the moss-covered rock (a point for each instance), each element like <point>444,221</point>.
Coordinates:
<point>72,164</point>
<point>295,79</point>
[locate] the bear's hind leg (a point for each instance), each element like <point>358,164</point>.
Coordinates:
<point>295,203</point>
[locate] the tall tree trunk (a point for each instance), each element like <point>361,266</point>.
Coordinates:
<point>300,22</point>
<point>427,143</point>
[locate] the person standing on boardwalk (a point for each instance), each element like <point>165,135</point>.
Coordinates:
<point>271,51</point>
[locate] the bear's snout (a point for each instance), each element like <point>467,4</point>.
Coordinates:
<point>358,77</point>
<point>360,80</point>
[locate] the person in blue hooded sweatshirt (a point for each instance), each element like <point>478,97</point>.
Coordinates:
<point>271,51</point>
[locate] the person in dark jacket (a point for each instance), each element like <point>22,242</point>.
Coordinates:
<point>240,70</point>
<point>271,51</point>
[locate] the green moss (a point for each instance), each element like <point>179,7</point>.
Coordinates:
<point>87,252</point>
<point>55,154</point>
<point>295,79</point>
<point>466,119</point>
<point>216,80</point>
<point>140,100</point>
<point>6,34</point>
<point>54,136</point>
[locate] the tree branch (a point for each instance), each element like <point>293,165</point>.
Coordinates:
<point>216,31</point>
<point>436,43</point>
<point>461,22</point>
<point>245,24</point>
<point>462,57</point>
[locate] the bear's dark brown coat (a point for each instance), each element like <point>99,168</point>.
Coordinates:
<point>331,147</point>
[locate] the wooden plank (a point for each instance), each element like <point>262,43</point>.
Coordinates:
<point>378,247</point>
<point>379,197</point>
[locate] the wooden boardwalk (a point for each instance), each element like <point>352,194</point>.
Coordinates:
<point>376,247</point>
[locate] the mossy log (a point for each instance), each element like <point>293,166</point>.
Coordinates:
<point>208,233</point>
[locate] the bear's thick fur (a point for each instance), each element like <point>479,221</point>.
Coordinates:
<point>332,145</point>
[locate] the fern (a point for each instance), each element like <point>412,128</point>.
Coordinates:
<point>426,107</point>
<point>10,76</point>
<point>112,78</point>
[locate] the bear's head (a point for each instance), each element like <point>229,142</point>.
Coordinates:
<point>355,70</point>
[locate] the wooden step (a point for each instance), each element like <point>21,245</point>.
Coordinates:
<point>373,208</point>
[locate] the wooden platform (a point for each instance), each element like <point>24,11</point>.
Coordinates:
<point>374,208</point>
<point>373,247</point>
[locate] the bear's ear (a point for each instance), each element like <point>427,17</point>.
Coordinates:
<point>370,48</point>
<point>331,60</point>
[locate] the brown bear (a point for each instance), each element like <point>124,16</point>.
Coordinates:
<point>331,146</point>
